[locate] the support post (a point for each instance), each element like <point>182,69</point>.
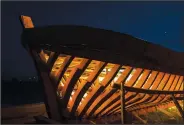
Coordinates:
<point>122,103</point>
<point>178,107</point>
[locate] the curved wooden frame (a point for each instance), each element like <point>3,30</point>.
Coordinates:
<point>85,83</point>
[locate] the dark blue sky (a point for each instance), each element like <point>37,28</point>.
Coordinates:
<point>157,22</point>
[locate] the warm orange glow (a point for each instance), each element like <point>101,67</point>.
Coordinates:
<point>138,78</point>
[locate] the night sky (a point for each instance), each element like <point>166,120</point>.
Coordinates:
<point>157,22</point>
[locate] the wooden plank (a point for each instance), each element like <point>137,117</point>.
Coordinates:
<point>63,68</point>
<point>107,104</point>
<point>147,85</point>
<point>139,118</point>
<point>113,106</point>
<point>174,83</point>
<point>109,88</point>
<point>134,77</point>
<point>162,99</point>
<point>26,21</point>
<point>178,106</point>
<point>151,91</point>
<point>53,57</point>
<point>179,84</point>
<point>98,89</point>
<point>84,86</point>
<point>157,81</point>
<point>142,79</point>
<point>115,96</point>
<point>163,82</point>
<point>50,92</point>
<point>72,80</point>
<point>161,86</point>
<point>100,100</point>
<point>139,84</point>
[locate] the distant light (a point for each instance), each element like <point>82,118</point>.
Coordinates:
<point>165,32</point>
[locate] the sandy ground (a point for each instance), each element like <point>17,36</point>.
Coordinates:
<point>22,114</point>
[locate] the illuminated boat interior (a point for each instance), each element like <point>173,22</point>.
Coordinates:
<point>100,76</point>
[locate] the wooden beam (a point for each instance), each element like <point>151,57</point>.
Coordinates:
<point>139,118</point>
<point>84,86</point>
<point>52,58</point>
<point>147,85</point>
<point>107,104</point>
<point>178,106</point>
<point>134,77</point>
<point>97,90</point>
<point>63,68</point>
<point>100,102</point>
<point>50,92</point>
<point>151,91</point>
<point>165,112</point>
<point>72,80</point>
<point>26,21</point>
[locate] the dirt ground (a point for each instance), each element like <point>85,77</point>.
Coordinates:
<point>22,114</point>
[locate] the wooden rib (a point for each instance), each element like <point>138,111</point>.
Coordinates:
<point>150,80</point>
<point>122,79</point>
<point>147,85</point>
<point>113,106</point>
<point>143,78</point>
<point>170,81</point>
<point>166,96</point>
<point>72,80</point>
<point>130,95</point>
<point>157,81</point>
<point>168,85</point>
<point>59,74</point>
<point>163,82</point>
<point>138,84</point>
<point>109,88</point>
<point>134,77</point>
<point>52,58</point>
<point>101,102</point>
<point>178,85</point>
<point>138,97</point>
<point>97,90</point>
<point>124,74</point>
<point>84,86</point>
<point>99,98</point>
<point>147,106</point>
<point>182,87</point>
<point>154,86</point>
<point>174,83</point>
<point>162,85</point>
<point>157,100</point>
<point>108,103</point>
<point>42,56</point>
<point>114,110</point>
<point>144,102</point>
